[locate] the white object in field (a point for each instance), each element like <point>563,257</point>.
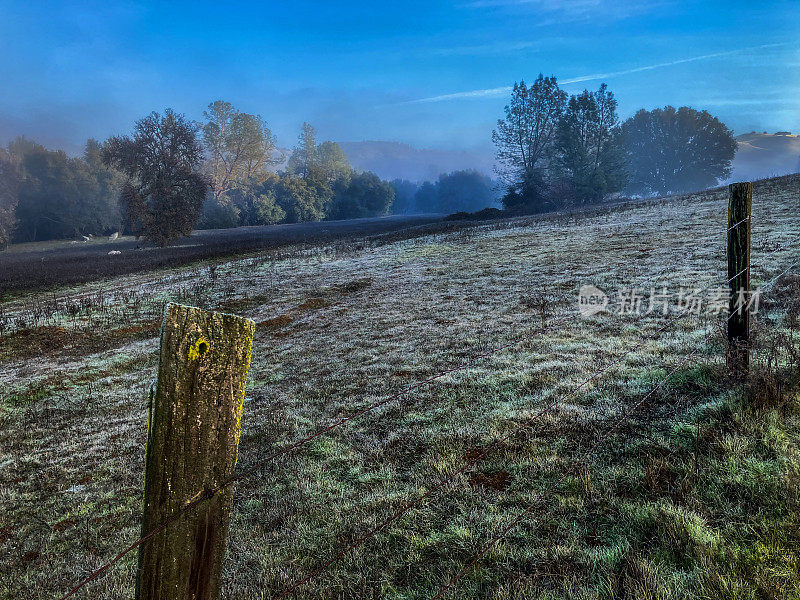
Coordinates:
<point>85,239</point>
<point>114,236</point>
<point>114,252</point>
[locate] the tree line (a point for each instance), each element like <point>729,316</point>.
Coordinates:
<point>46,194</point>
<point>556,150</point>
<point>460,191</point>
<point>173,175</point>
<point>318,182</point>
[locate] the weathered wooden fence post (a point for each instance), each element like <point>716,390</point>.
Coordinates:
<point>739,209</point>
<point>192,443</point>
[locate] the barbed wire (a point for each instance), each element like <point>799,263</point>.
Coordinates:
<point>735,225</point>
<point>482,454</point>
<point>617,424</point>
<point>207,494</point>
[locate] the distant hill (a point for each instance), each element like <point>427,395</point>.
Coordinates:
<point>763,155</point>
<point>391,160</point>
<point>759,155</point>
<point>395,160</point>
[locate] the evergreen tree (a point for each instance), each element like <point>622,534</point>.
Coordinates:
<point>426,199</point>
<point>304,156</point>
<point>524,139</point>
<point>587,160</point>
<point>297,199</point>
<point>404,191</point>
<point>466,191</point>
<point>363,195</point>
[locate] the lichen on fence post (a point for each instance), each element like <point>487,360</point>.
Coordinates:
<point>192,444</point>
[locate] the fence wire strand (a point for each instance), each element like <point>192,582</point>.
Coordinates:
<point>616,425</point>
<point>486,451</point>
<point>210,493</point>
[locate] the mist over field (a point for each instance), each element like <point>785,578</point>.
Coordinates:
<point>759,155</point>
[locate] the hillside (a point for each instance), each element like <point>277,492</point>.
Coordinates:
<point>629,464</point>
<point>394,160</point>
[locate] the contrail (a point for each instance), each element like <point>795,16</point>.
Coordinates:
<point>506,89</point>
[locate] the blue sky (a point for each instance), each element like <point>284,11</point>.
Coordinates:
<point>432,74</point>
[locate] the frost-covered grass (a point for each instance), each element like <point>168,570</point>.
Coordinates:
<point>696,495</point>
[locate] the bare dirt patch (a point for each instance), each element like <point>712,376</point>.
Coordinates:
<point>496,480</point>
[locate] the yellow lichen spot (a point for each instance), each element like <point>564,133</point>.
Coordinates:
<point>250,327</point>
<point>199,348</point>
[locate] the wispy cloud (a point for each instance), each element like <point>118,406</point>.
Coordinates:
<point>563,6</point>
<point>496,48</point>
<point>703,102</point>
<point>553,12</point>
<point>504,90</point>
<point>487,93</point>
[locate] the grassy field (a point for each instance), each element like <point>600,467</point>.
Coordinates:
<point>696,495</point>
